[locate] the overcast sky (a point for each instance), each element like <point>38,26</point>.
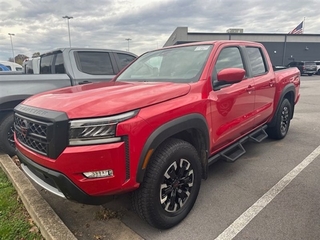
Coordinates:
<point>39,27</point>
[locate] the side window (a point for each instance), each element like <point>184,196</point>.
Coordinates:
<point>95,63</point>
<point>125,59</point>
<point>257,61</point>
<point>229,57</point>
<point>46,63</point>
<point>59,65</point>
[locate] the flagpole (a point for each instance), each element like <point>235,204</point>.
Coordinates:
<point>304,24</point>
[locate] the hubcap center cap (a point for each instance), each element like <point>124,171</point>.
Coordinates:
<point>175,184</point>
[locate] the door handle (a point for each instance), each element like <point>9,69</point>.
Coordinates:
<point>84,82</point>
<point>272,83</point>
<point>249,89</point>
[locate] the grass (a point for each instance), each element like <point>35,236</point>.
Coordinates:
<point>15,222</point>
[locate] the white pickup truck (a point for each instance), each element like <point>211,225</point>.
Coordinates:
<point>59,68</point>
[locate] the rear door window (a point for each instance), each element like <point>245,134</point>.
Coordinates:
<point>125,59</point>
<point>46,64</point>
<point>59,65</point>
<point>257,62</point>
<point>95,63</point>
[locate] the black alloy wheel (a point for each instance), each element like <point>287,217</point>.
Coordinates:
<point>170,186</point>
<point>176,185</point>
<point>282,121</point>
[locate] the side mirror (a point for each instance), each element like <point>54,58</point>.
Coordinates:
<point>231,75</point>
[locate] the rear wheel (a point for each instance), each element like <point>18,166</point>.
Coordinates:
<point>283,117</point>
<point>170,186</point>
<point>6,135</point>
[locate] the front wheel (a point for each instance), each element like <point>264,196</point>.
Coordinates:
<point>170,186</point>
<point>6,135</point>
<point>283,117</point>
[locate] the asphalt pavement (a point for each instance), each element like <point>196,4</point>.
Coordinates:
<point>272,192</point>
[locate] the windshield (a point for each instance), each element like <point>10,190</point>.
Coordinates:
<point>178,65</point>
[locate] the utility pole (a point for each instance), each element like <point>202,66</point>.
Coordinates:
<point>12,34</point>
<point>68,18</point>
<point>128,39</point>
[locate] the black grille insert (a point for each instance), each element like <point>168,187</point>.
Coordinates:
<point>32,133</point>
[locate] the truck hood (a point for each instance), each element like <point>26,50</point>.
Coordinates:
<point>107,98</point>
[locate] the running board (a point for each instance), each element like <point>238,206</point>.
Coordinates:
<point>259,135</point>
<point>236,150</point>
<point>233,152</point>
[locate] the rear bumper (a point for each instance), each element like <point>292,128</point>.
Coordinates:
<point>57,183</point>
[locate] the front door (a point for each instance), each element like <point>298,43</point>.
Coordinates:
<point>232,105</point>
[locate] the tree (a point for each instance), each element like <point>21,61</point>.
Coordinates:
<point>36,54</point>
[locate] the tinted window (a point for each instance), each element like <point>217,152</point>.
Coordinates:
<point>229,58</point>
<point>95,63</point>
<point>256,60</point>
<point>9,67</point>
<point>125,59</point>
<point>59,66</point>
<point>46,63</point>
<point>310,63</point>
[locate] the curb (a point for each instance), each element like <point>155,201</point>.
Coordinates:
<point>50,225</point>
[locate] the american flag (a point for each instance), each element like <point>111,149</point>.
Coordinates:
<point>298,29</point>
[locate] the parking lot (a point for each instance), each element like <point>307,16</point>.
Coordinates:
<point>272,192</point>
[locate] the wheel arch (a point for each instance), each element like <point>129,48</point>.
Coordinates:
<point>192,128</point>
<point>289,92</point>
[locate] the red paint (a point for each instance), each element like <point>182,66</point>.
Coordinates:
<point>230,113</point>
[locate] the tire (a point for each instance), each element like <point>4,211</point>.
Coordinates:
<point>6,135</point>
<point>318,72</point>
<point>283,118</point>
<point>310,74</point>
<point>170,186</point>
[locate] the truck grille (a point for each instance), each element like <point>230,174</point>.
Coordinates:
<point>32,134</point>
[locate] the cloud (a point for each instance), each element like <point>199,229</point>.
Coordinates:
<point>38,24</point>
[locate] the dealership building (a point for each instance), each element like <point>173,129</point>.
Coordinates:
<point>282,48</point>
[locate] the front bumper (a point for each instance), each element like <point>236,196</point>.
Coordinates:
<point>64,176</point>
<point>57,183</point>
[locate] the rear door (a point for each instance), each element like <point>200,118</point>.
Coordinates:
<point>263,82</point>
<point>232,105</point>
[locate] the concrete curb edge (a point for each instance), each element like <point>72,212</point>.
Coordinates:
<point>49,223</point>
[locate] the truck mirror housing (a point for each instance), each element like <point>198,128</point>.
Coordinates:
<point>231,75</point>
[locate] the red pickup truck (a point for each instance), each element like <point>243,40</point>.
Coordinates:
<point>156,127</point>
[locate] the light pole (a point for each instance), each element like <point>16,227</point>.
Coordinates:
<point>68,18</point>
<point>128,39</point>
<point>12,34</point>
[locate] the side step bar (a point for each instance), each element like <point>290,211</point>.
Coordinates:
<point>236,150</point>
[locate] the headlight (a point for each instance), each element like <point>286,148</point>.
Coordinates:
<point>96,130</point>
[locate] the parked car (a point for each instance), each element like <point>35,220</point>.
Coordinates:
<point>156,127</point>
<point>318,67</point>
<point>59,68</point>
<point>305,67</point>
<point>3,68</point>
<point>15,67</point>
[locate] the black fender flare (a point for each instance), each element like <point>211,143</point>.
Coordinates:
<point>165,131</point>
<point>288,88</point>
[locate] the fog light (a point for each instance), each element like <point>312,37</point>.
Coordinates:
<point>99,174</point>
